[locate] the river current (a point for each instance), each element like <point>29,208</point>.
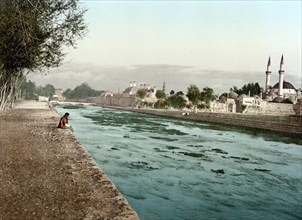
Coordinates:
<point>176,169</point>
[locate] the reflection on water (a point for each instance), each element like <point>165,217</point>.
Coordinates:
<point>174,169</point>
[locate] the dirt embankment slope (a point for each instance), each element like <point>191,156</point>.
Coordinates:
<point>46,174</point>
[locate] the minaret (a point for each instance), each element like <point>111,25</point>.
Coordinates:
<point>164,87</point>
<point>268,75</point>
<point>281,72</point>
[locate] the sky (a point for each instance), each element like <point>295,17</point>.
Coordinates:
<point>219,44</point>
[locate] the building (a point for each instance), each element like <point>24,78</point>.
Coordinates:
<point>281,90</point>
<point>58,96</point>
<point>277,99</point>
<point>128,98</point>
<point>132,90</point>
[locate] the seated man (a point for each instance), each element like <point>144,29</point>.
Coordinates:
<point>64,121</point>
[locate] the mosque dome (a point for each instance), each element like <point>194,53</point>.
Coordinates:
<point>131,90</point>
<point>286,85</point>
<point>222,99</point>
<point>233,95</point>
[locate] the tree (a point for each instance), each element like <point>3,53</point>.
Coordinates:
<point>193,94</point>
<point>160,94</point>
<point>161,104</point>
<point>179,93</point>
<point>206,96</point>
<point>172,92</point>
<point>67,93</point>
<point>141,93</point>
<point>28,90</point>
<point>33,34</point>
<point>81,92</point>
<point>84,91</point>
<point>176,101</point>
<point>48,90</point>
<point>248,89</point>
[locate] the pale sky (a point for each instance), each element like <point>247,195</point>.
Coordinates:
<point>208,43</point>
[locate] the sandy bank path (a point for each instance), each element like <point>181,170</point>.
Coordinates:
<point>46,174</point>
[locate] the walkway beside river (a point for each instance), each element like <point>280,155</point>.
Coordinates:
<point>45,173</point>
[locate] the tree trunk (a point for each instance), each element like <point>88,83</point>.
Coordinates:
<point>8,90</point>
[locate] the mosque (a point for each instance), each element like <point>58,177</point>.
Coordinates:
<point>132,90</point>
<point>278,99</point>
<point>281,90</point>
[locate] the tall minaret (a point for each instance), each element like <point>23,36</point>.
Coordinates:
<point>281,72</point>
<point>268,75</point>
<point>164,87</point>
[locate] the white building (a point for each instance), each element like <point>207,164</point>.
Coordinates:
<point>282,89</point>
<point>58,96</point>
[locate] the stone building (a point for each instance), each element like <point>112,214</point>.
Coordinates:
<point>58,96</point>
<point>127,98</point>
<point>226,106</point>
<point>132,90</point>
<point>281,90</point>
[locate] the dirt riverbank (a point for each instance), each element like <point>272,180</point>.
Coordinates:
<point>46,174</point>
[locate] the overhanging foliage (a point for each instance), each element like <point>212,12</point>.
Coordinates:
<point>33,36</point>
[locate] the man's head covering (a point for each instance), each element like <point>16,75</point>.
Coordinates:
<point>66,114</point>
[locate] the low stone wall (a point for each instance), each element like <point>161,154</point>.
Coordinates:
<point>115,100</point>
<point>230,119</point>
<point>123,101</point>
<point>277,108</point>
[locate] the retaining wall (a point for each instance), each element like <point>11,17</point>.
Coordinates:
<point>229,119</point>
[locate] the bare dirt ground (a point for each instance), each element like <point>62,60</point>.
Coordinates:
<point>46,174</point>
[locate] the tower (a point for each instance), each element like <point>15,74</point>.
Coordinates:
<point>268,75</point>
<point>164,87</point>
<point>281,72</point>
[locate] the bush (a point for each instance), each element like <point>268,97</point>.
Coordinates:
<point>176,101</point>
<point>161,104</point>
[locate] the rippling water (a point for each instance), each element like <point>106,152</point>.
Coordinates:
<point>175,169</point>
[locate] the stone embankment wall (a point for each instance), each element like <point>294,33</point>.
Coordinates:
<point>123,101</point>
<point>268,108</point>
<point>232,119</point>
<point>277,108</point>
<point>115,100</point>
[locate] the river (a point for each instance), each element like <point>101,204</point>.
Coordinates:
<point>176,169</point>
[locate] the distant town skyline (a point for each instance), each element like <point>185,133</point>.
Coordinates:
<point>208,43</point>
